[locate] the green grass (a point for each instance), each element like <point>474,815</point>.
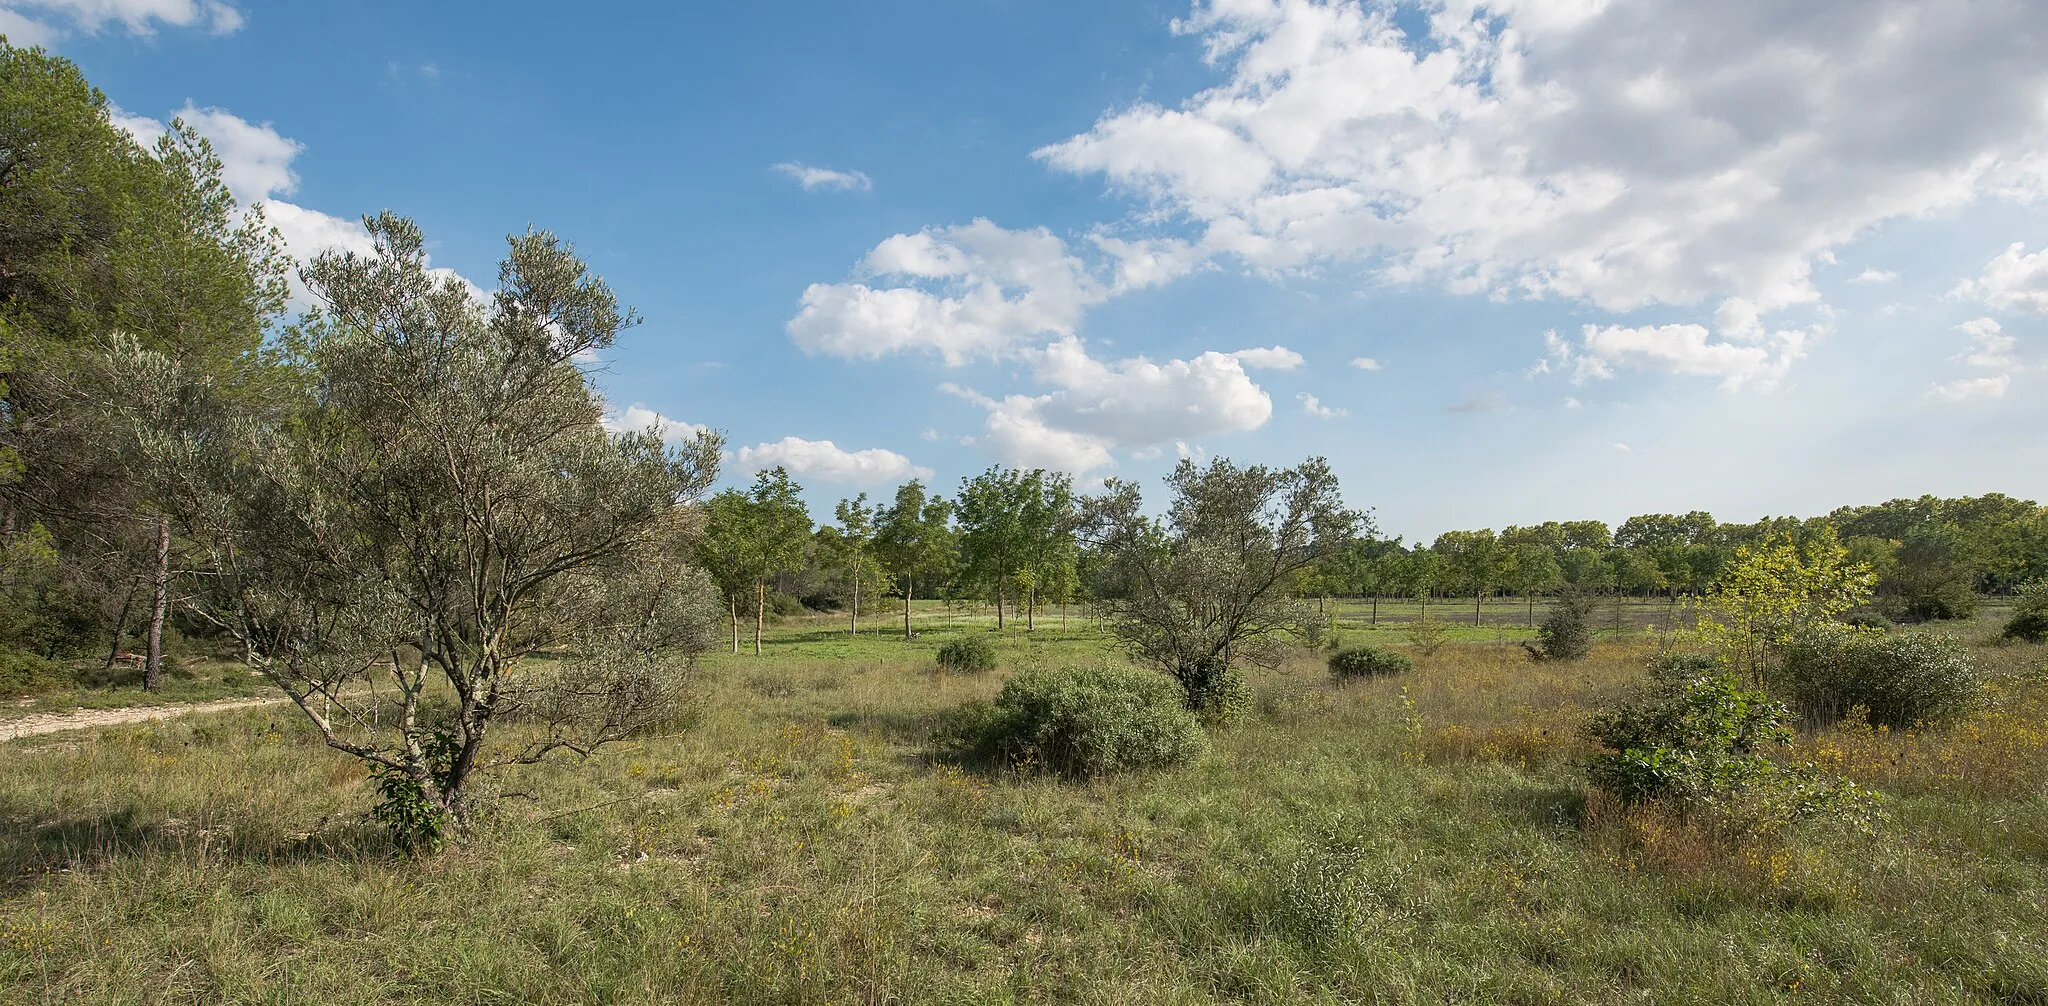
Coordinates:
<point>1425,838</point>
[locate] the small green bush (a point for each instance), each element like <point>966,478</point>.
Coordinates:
<point>1565,634</point>
<point>1428,635</point>
<point>2029,620</point>
<point>27,674</point>
<point>1868,618</point>
<point>1682,665</point>
<point>1697,744</point>
<point>1901,680</point>
<point>1368,662</point>
<point>1216,692</point>
<point>1083,721</point>
<point>972,654</point>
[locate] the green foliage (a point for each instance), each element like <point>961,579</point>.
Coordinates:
<point>1217,692</point>
<point>1566,633</point>
<point>1368,662</point>
<point>1868,618</point>
<point>2029,620</point>
<point>405,807</point>
<point>1899,680</point>
<point>1682,665</point>
<point>1428,634</point>
<point>968,654</point>
<point>1774,591</point>
<point>1698,744</point>
<point>26,673</point>
<point>1083,721</point>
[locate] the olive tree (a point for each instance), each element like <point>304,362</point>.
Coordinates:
<point>1207,585</point>
<point>435,504</point>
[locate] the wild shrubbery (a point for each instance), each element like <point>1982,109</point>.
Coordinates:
<point>1565,634</point>
<point>1368,662</point>
<point>1083,721</point>
<point>2029,622</point>
<point>1901,680</point>
<point>1697,743</point>
<point>971,654</point>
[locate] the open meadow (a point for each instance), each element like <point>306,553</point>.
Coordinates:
<point>806,839</point>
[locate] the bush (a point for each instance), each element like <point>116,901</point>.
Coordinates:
<point>2030,615</point>
<point>27,674</point>
<point>1565,633</point>
<point>967,655</point>
<point>1368,662</point>
<point>1090,720</point>
<point>1698,743</point>
<point>1428,635</point>
<point>1919,677</point>
<point>1216,692</point>
<point>1682,665</point>
<point>1868,618</point>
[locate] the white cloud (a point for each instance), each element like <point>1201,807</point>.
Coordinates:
<point>1623,448</point>
<point>1365,363</point>
<point>1269,358</point>
<point>1133,403</point>
<point>2014,281</point>
<point>140,17</point>
<point>1875,276</point>
<point>813,178</point>
<point>1967,388</point>
<point>1572,404</point>
<point>1745,354</point>
<point>639,418</point>
<point>256,160</point>
<point>1662,151</point>
<point>1990,346</point>
<point>977,290</point>
<point>1315,407</point>
<point>825,460</point>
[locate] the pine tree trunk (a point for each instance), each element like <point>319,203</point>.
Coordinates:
<point>760,611</point>
<point>160,602</point>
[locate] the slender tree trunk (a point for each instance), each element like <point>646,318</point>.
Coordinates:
<point>1475,608</point>
<point>1031,609</point>
<point>1063,615</point>
<point>1375,611</point>
<point>121,622</point>
<point>732,607</point>
<point>1532,610</point>
<point>760,611</point>
<point>854,629</point>
<point>909,588</point>
<point>160,602</point>
<point>999,602</point>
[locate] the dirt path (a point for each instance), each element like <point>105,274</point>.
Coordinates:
<point>49,723</point>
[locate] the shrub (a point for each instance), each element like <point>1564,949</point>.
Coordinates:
<point>1565,633</point>
<point>1090,720</point>
<point>26,674</point>
<point>1868,618</point>
<point>1428,635</point>
<point>2029,620</point>
<point>1682,665</point>
<point>1216,692</point>
<point>1368,662</point>
<point>967,655</point>
<point>1919,677</point>
<point>1697,744</point>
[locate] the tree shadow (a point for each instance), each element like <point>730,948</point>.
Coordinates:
<point>34,847</point>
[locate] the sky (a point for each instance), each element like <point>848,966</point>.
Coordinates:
<point>1499,262</point>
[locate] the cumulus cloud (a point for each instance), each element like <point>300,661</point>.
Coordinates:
<point>1989,345</point>
<point>1365,363</point>
<point>822,459</point>
<point>966,292</point>
<point>2014,281</point>
<point>1269,358</point>
<point>1964,389</point>
<point>1745,353</point>
<point>53,19</point>
<point>1314,406</point>
<point>1627,154</point>
<point>1874,276</point>
<point>638,418</point>
<point>1098,407</point>
<point>813,178</point>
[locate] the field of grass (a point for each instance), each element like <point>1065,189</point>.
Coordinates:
<point>1421,839</point>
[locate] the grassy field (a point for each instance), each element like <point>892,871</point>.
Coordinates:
<point>1423,839</point>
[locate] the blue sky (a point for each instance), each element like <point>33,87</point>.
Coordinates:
<point>1605,256</point>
